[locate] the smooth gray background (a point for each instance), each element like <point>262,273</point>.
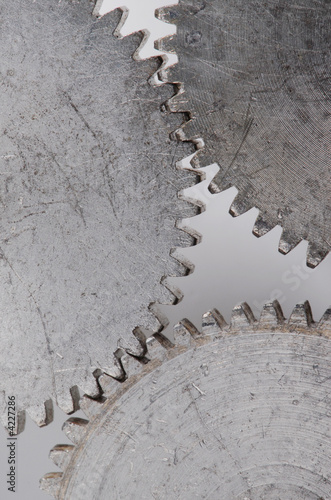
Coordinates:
<point>231,265</point>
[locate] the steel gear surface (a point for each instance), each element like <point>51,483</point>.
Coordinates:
<point>237,412</point>
<point>88,201</point>
<point>256,79</point>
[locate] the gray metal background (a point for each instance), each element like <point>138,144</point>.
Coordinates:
<point>257,84</point>
<point>88,200</point>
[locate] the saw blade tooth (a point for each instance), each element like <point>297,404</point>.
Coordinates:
<point>167,14</point>
<point>42,414</point>
<point>242,317</point>
<point>261,226</point>
<point>271,315</point>
<point>75,429</point>
<point>324,324</point>
<point>301,316</point>
<point>166,44</point>
<point>51,483</point>
<point>212,322</point>
<point>61,455</point>
<point>90,406</point>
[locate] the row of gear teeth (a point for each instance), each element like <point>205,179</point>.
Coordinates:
<point>189,132</point>
<point>159,350</point>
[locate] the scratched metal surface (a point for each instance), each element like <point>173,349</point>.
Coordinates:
<point>88,200</point>
<point>257,83</point>
<point>241,414</point>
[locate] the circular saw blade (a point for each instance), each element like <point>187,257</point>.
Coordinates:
<point>237,412</point>
<point>88,200</point>
<point>256,79</point>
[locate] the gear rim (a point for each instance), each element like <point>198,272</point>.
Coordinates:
<point>286,188</point>
<point>268,337</point>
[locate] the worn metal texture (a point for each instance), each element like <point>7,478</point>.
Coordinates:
<point>88,201</point>
<point>256,81</point>
<point>237,412</point>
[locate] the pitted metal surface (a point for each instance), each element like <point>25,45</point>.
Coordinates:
<point>238,412</point>
<point>256,81</point>
<point>88,200</point>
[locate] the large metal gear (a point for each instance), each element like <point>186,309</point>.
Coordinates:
<point>237,412</point>
<point>255,78</point>
<point>88,202</point>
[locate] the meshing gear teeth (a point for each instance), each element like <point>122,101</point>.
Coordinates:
<point>239,411</point>
<point>256,77</point>
<point>88,203</point>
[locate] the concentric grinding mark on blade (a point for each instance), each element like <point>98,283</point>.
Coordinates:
<point>88,204</point>
<point>235,411</point>
<point>255,80</point>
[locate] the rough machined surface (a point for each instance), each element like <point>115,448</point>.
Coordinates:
<point>256,81</point>
<point>88,199</point>
<point>239,412</point>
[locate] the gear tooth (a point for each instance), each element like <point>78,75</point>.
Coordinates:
<point>168,15</point>
<point>301,316</point>
<point>61,455</point>
<point>271,315</point>
<point>182,336</point>
<point>170,74</point>
<point>286,242</point>
<point>137,345</point>
<point>240,204</point>
<point>69,402</point>
<point>75,429</point>
<point>20,418</point>
<point>315,255</point>
<point>131,365</point>
<point>212,322</point>
<point>324,324</point>
<point>155,308</point>
<point>109,385</point>
<point>178,104</point>
<point>190,328</point>
<point>166,44</point>
<point>51,483</point>
<point>155,348</point>
<point>170,282</point>
<point>42,414</point>
<point>261,227</point>
<point>242,317</point>
<point>190,131</point>
<point>115,371</point>
<point>90,406</point>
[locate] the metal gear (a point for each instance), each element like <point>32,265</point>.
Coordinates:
<point>88,202</point>
<point>237,412</point>
<point>256,82</point>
